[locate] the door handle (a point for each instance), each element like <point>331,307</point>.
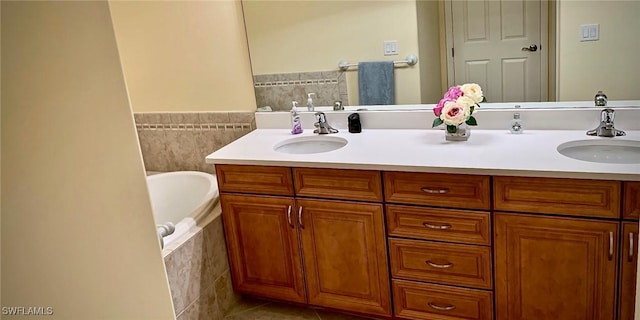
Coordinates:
<point>531,48</point>
<point>289,217</point>
<point>631,247</point>
<point>300,217</point>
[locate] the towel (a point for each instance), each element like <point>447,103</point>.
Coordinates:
<point>376,83</point>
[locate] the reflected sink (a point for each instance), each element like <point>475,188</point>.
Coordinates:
<point>310,144</point>
<point>602,151</point>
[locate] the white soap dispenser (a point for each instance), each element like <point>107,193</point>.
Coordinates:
<point>310,106</point>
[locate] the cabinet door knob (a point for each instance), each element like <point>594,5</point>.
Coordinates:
<point>436,191</point>
<point>300,217</point>
<point>631,247</point>
<point>439,266</point>
<point>441,308</point>
<point>289,216</point>
<point>440,227</point>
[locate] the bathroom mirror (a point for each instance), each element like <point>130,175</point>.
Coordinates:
<point>296,46</point>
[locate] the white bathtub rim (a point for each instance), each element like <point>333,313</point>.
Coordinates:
<point>186,224</point>
<point>215,213</point>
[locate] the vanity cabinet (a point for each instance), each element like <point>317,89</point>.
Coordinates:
<point>459,246</point>
<point>440,245</point>
<point>560,246</point>
<point>628,267</point>
<point>554,268</point>
<point>292,241</point>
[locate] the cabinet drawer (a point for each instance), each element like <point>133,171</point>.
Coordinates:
<point>631,207</point>
<point>454,264</point>
<point>365,185</point>
<point>438,189</point>
<point>463,226</point>
<point>575,197</point>
<point>429,301</point>
<point>255,179</point>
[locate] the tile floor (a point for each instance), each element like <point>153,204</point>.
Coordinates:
<point>254,309</point>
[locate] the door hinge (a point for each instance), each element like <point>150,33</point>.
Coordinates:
<point>452,52</point>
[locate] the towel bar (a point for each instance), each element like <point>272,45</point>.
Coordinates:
<point>410,61</point>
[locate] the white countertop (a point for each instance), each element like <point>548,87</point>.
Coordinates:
<point>492,152</point>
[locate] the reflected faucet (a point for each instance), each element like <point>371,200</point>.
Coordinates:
<point>606,127</point>
<point>322,127</point>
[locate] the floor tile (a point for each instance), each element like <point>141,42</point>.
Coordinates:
<point>275,311</point>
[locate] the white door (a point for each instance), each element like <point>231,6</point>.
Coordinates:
<point>498,44</point>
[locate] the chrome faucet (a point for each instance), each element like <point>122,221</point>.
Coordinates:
<point>606,127</point>
<point>322,127</point>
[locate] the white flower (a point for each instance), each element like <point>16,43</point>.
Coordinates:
<point>454,113</point>
<point>473,91</point>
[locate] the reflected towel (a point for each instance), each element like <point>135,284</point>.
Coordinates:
<point>376,83</point>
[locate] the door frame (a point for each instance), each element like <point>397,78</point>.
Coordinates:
<point>545,81</point>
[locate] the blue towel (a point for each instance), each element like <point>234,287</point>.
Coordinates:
<point>376,83</point>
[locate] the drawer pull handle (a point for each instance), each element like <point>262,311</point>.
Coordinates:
<point>300,218</point>
<point>445,226</point>
<point>440,266</point>
<point>631,247</point>
<point>289,216</point>
<point>436,191</point>
<point>441,308</point>
<point>610,245</point>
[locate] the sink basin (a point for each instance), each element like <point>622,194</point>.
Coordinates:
<point>602,151</point>
<point>310,144</point>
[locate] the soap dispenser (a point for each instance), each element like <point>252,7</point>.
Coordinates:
<point>296,124</point>
<point>310,101</point>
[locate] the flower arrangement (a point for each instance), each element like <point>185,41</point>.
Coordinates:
<point>458,106</point>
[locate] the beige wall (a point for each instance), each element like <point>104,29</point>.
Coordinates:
<point>184,55</point>
<point>609,64</point>
<point>302,36</point>
<point>430,25</point>
<point>77,230</point>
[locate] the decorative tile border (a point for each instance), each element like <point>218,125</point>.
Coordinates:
<point>181,141</point>
<point>295,83</point>
<point>195,126</point>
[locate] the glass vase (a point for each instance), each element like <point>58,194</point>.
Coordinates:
<point>462,133</point>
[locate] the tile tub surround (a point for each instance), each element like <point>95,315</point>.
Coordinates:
<point>181,141</point>
<point>199,276</point>
<point>278,90</point>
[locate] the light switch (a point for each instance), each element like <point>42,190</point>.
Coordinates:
<point>589,32</point>
<point>390,47</point>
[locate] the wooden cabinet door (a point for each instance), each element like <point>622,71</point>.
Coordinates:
<point>264,251</point>
<point>629,263</point>
<point>345,255</point>
<point>554,268</point>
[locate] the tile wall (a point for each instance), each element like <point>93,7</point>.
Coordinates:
<point>278,90</point>
<point>181,141</point>
<point>199,276</point>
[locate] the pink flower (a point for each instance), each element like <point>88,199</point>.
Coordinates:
<point>453,93</point>
<point>438,109</point>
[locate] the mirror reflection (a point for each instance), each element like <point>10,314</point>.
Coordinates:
<point>518,51</point>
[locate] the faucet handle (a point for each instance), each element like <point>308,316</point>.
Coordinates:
<point>600,99</point>
<point>607,115</point>
<point>320,117</point>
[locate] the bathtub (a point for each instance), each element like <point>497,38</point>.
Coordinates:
<point>184,198</point>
